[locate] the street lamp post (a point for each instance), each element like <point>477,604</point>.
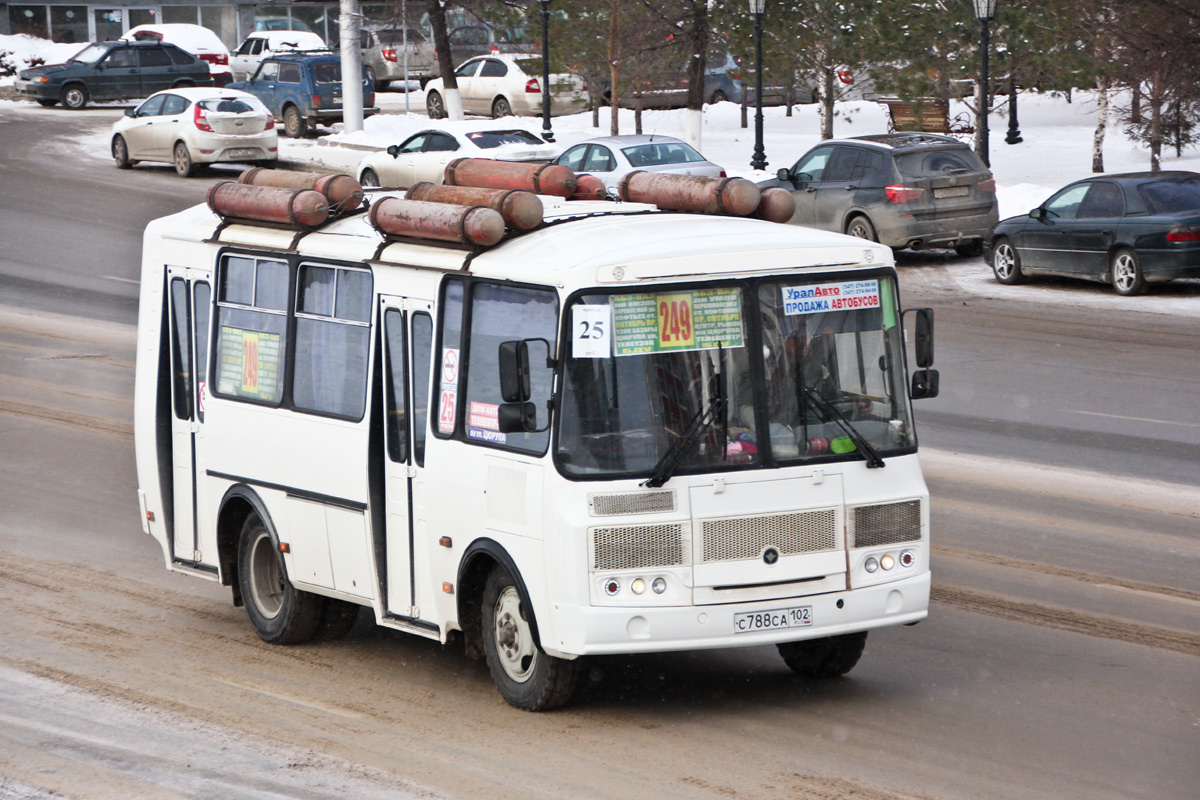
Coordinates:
<point>547,134</point>
<point>985,12</point>
<point>759,161</point>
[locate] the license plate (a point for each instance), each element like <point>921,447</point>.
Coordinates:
<point>775,619</point>
<point>244,152</point>
<point>337,99</point>
<point>952,191</point>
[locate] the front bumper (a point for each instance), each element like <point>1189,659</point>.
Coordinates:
<point>592,630</point>
<point>37,91</point>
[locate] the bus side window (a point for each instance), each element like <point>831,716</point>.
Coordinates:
<point>446,386</point>
<point>203,301</point>
<point>422,334</point>
<point>181,349</point>
<point>333,339</point>
<point>251,340</point>
<point>502,314</point>
<point>397,385</point>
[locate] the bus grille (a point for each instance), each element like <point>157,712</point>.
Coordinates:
<point>737,538</point>
<point>887,523</point>
<point>639,546</point>
<point>609,505</point>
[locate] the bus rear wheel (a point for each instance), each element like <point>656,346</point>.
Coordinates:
<point>830,657</point>
<point>527,677</point>
<point>279,612</point>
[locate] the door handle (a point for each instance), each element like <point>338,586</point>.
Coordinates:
<point>848,187</point>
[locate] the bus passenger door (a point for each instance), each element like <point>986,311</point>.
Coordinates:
<point>190,298</point>
<point>408,338</point>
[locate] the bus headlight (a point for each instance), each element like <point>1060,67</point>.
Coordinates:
<point>659,586</point>
<point>887,562</point>
<point>871,565</point>
<point>907,559</point>
<point>612,586</point>
<point>638,586</point>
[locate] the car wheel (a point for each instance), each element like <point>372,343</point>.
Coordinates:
<point>435,107</point>
<point>971,249</point>
<point>861,228</point>
<point>830,657</point>
<point>718,97</point>
<point>120,153</point>
<point>278,611</point>
<point>47,103</point>
<point>183,84</point>
<point>73,97</point>
<point>371,75</point>
<point>526,676</point>
<point>369,179</point>
<point>1127,277</point>
<point>294,124</point>
<point>1006,263</point>
<point>184,166</point>
<point>501,108</point>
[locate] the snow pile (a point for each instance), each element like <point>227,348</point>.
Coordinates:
<point>18,52</point>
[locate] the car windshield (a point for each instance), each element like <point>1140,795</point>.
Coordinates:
<point>657,153</point>
<point>932,163</point>
<point>826,382</point>
<point>489,139</point>
<point>327,71</point>
<point>90,54</point>
<point>1172,196</point>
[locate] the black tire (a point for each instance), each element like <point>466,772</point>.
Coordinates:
<point>861,228</point>
<point>183,84</point>
<point>74,96</point>
<point>47,103</point>
<point>182,158</point>
<point>971,249</point>
<point>434,106</point>
<point>830,657</point>
<point>501,108</point>
<point>526,676</point>
<point>374,81</point>
<point>1126,273</point>
<point>718,97</point>
<point>1006,262</point>
<point>369,178</point>
<point>120,152</point>
<point>337,619</point>
<point>294,123</point>
<point>279,612</point>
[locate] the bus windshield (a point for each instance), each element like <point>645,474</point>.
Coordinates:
<point>780,372</point>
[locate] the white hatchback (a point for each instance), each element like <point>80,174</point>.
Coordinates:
<point>504,85</point>
<point>192,126</point>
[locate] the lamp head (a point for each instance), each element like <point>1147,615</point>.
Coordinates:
<point>984,9</point>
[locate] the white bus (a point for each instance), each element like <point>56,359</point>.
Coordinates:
<point>624,431</point>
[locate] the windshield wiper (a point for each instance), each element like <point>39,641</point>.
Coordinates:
<point>831,414</point>
<point>700,425</point>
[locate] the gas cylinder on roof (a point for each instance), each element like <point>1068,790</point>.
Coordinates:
<point>342,191</point>
<point>297,208</point>
<point>520,210</point>
<point>485,173</point>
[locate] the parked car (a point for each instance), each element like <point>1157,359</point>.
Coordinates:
<point>302,90</point>
<point>195,39</point>
<point>112,71</point>
<point>610,158</point>
<point>1127,230</point>
<point>424,155</point>
<point>506,85</point>
<point>913,190</point>
<point>190,127</point>
<point>260,44</point>
<point>383,53</point>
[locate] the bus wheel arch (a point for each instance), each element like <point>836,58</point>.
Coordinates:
<point>477,563</point>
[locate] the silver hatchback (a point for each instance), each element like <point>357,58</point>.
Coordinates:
<point>914,190</point>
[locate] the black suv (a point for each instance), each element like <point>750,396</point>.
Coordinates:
<point>913,190</point>
<point>304,89</point>
<point>113,71</point>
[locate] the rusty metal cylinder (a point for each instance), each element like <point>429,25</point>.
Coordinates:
<point>297,208</point>
<point>484,173</point>
<point>733,196</point>
<point>421,219</point>
<point>776,205</point>
<point>521,210</point>
<point>342,191</point>
<point>589,187</point>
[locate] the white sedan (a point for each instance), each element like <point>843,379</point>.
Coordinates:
<point>505,85</point>
<point>192,126</point>
<point>611,158</point>
<point>424,155</point>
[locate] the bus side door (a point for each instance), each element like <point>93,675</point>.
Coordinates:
<point>408,338</point>
<point>190,298</point>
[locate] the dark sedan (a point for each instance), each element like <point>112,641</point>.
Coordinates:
<point>113,71</point>
<point>1126,230</point>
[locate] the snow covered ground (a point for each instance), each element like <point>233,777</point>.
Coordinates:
<point>1057,149</point>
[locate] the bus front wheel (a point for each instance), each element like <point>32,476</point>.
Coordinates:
<point>279,612</point>
<point>527,677</point>
<point>830,657</point>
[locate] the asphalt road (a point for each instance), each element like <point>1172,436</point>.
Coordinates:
<point>1061,658</point>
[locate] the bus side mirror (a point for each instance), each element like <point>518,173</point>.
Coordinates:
<point>924,384</point>
<point>924,343</point>
<point>517,418</point>
<point>514,372</point>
